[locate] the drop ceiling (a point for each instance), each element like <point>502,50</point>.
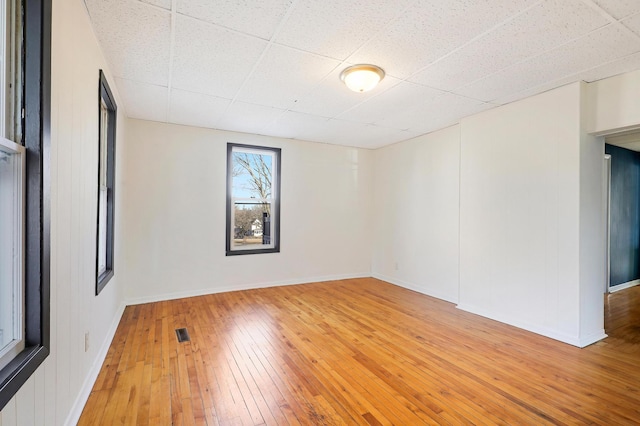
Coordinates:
<point>272,67</point>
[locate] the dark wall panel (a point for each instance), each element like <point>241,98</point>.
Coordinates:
<point>625,214</point>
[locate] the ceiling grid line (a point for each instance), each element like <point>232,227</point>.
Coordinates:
<point>612,19</point>
<point>527,59</point>
<point>344,63</point>
<point>471,41</point>
<point>563,80</point>
<point>259,60</point>
<point>272,66</point>
<point>172,46</point>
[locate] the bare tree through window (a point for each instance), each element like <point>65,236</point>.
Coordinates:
<point>253,174</point>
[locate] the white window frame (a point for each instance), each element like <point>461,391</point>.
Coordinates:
<point>17,262</point>
<point>274,201</point>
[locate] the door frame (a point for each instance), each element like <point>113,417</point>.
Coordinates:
<point>607,219</point>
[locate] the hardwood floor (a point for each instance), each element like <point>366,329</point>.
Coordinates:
<point>358,352</point>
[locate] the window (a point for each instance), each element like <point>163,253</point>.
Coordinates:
<point>253,199</point>
<point>106,178</point>
<point>11,250</point>
<point>25,77</point>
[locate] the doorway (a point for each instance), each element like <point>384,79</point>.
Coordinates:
<point>622,226</point>
<point>622,182</point>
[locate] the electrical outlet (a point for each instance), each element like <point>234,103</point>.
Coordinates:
<point>86,341</point>
<point>397,266</point>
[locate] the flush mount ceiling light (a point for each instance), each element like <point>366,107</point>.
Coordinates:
<point>362,77</point>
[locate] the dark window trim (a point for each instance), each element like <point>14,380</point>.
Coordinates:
<point>37,131</point>
<point>104,94</point>
<point>276,208</point>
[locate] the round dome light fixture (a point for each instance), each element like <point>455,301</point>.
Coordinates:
<point>362,77</point>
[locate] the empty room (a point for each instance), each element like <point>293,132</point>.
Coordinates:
<point>304,212</point>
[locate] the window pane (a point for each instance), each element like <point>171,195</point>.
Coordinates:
<point>10,250</point>
<point>252,175</point>
<point>104,132</point>
<point>252,227</point>
<point>106,169</point>
<point>102,231</point>
<point>12,102</point>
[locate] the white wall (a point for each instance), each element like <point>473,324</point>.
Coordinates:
<point>592,229</point>
<point>609,106</point>
<point>416,214</point>
<point>174,213</point>
<point>501,214</point>
<point>50,394</point>
<point>612,104</point>
<point>527,199</point>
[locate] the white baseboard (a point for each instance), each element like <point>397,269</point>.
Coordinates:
<point>414,287</point>
<point>92,376</point>
<point>578,341</point>
<point>591,339</point>
<point>205,291</point>
<point>623,286</point>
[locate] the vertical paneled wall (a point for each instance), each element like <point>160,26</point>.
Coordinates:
<point>51,393</point>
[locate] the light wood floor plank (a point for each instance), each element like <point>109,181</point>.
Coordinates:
<point>358,352</point>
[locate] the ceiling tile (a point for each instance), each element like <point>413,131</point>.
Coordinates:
<point>142,100</point>
<point>196,109</point>
<point>339,27</point>
<point>396,100</point>
<point>361,135</point>
<point>295,125</point>
<point>256,17</point>
<point>338,132</point>
<point>165,4</point>
<point>604,45</point>
<point>620,66</point>
<point>212,60</point>
<point>284,75</point>
<point>433,114</point>
<point>633,23</point>
<point>271,67</point>
<point>543,27</point>
<point>248,118</point>
<point>332,97</point>
<point>431,29</point>
<point>619,8</point>
<point>135,38</point>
